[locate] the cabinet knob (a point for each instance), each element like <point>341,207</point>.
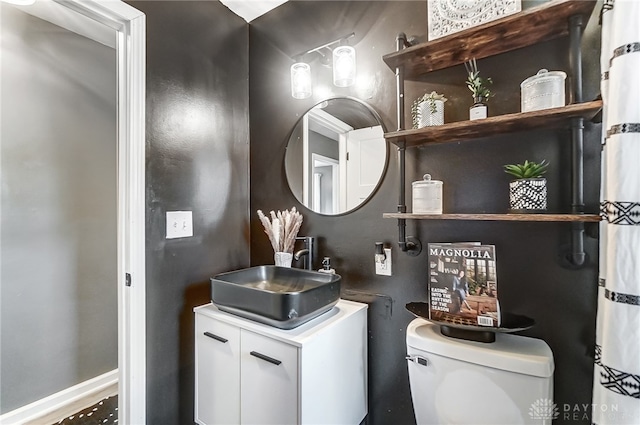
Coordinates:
<point>265,358</point>
<point>216,337</point>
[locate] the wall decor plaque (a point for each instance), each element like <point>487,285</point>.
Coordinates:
<point>450,16</point>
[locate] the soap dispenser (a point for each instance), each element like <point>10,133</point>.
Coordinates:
<point>326,266</point>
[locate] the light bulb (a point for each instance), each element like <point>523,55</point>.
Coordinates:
<point>300,80</point>
<point>344,66</point>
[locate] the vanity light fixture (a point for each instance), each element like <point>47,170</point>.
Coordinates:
<point>300,80</point>
<point>344,66</point>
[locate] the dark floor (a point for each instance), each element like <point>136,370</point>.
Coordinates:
<point>105,412</point>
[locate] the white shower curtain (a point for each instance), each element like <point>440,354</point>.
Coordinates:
<point>616,389</point>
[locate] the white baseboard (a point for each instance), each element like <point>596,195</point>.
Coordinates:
<point>59,400</point>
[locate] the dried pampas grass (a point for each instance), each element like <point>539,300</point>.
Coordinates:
<point>282,229</point>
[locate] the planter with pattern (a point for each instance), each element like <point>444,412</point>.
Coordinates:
<point>430,113</point>
<point>528,195</point>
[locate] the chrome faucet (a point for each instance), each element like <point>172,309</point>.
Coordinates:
<point>307,252</point>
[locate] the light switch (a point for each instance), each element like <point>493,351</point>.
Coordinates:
<point>179,224</point>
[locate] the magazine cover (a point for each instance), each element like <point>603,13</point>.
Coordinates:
<point>463,288</point>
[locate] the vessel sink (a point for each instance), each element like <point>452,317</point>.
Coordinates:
<point>277,296</point>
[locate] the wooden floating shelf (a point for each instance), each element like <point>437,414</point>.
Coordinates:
<point>497,217</point>
<point>492,126</point>
<point>531,26</point>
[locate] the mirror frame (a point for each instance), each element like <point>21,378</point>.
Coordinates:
<point>383,174</point>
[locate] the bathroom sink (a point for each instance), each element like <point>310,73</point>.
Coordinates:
<point>277,296</point>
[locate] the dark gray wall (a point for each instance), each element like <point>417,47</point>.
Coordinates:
<point>531,278</point>
<point>58,132</point>
<point>197,159</point>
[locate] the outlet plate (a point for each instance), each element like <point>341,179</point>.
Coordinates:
<point>179,224</point>
<point>385,267</point>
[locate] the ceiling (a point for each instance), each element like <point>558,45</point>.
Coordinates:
<point>251,9</point>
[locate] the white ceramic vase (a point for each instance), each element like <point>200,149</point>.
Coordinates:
<point>427,117</point>
<point>283,259</point>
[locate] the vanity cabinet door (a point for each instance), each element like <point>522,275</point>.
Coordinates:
<point>269,381</point>
<point>218,372</point>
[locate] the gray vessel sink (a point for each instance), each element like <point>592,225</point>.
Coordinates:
<point>277,296</point>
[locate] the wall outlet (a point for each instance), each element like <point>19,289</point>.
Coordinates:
<point>384,268</point>
<point>179,224</point>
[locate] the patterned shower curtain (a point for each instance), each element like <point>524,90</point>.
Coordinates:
<point>616,389</point>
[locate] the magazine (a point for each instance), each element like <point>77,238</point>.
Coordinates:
<point>463,287</point>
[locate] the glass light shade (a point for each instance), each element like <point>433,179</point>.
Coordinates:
<point>300,80</point>
<point>344,66</point>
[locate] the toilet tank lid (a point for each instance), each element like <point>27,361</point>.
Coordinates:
<point>511,353</point>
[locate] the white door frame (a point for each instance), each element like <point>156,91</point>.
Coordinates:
<point>343,156</point>
<point>329,126</point>
<point>129,24</point>
<point>335,182</point>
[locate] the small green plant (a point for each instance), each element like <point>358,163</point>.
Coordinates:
<point>475,83</point>
<point>430,98</point>
<point>528,170</point>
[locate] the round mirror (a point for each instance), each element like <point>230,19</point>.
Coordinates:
<point>336,156</point>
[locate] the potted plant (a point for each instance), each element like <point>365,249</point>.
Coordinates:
<point>528,192</point>
<point>479,90</point>
<point>428,110</point>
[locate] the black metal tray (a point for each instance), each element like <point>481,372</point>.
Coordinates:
<point>509,323</point>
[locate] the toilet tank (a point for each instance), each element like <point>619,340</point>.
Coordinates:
<point>454,381</point>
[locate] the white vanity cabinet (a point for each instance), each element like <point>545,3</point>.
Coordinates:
<point>218,369</point>
<point>250,373</point>
<point>269,391</point>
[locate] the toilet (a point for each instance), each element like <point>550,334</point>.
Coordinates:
<point>456,382</point>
